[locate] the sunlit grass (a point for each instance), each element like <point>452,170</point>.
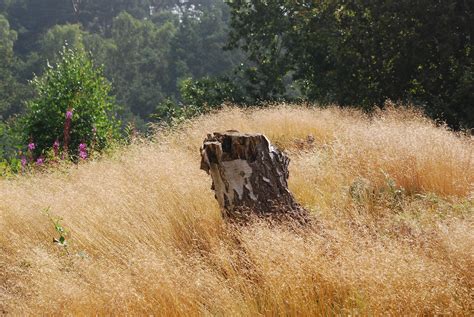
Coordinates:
<point>391,195</point>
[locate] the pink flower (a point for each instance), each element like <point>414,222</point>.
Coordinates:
<point>31,146</point>
<point>83,151</point>
<point>23,161</point>
<point>56,147</point>
<point>40,161</point>
<point>69,114</point>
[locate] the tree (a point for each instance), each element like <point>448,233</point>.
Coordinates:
<point>34,17</point>
<point>7,39</point>
<point>11,90</point>
<point>139,64</point>
<point>363,52</point>
<point>55,38</point>
<point>72,90</point>
<point>49,45</point>
<point>98,15</point>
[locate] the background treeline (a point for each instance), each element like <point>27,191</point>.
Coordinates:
<point>168,59</point>
<point>146,47</point>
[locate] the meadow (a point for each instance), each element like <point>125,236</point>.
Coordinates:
<point>391,196</point>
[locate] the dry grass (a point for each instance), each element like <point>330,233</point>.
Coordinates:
<point>392,194</point>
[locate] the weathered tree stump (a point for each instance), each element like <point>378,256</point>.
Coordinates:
<point>249,177</point>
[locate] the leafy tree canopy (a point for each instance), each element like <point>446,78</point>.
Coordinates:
<point>363,52</point>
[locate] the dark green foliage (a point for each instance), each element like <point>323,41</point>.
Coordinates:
<point>10,145</point>
<point>172,113</point>
<point>199,97</point>
<point>138,64</point>
<point>98,15</point>
<point>53,40</point>
<point>11,90</point>
<point>210,92</point>
<point>73,84</point>
<point>7,81</point>
<point>363,52</point>
<point>197,48</point>
<point>32,18</point>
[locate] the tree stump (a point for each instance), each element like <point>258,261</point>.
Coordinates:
<point>249,177</point>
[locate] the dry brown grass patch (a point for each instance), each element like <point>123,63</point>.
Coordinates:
<point>392,195</point>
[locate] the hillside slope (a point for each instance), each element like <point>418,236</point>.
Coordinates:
<point>392,197</point>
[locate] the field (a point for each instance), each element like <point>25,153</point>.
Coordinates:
<point>391,197</point>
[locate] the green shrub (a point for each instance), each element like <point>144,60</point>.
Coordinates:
<point>76,87</point>
<point>173,113</point>
<point>198,97</point>
<point>10,145</point>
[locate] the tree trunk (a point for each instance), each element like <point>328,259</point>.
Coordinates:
<point>249,176</point>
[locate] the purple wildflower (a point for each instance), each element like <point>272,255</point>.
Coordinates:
<point>83,151</point>
<point>31,146</point>
<point>23,161</point>
<point>40,161</point>
<point>66,131</point>
<point>56,147</point>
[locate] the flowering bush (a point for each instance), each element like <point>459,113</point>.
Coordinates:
<point>72,107</point>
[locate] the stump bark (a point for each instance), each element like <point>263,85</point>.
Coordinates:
<point>249,176</point>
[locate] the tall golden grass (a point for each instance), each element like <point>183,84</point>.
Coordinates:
<point>391,195</point>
